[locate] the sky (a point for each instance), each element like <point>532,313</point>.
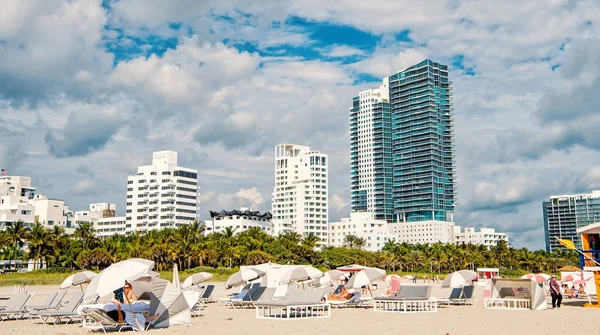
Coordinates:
<point>90,88</point>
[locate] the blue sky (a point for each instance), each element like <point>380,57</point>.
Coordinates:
<point>88,89</point>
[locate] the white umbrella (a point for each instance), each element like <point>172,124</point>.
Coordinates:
<point>365,277</point>
<point>335,274</point>
<point>300,274</point>
<point>176,281</point>
<point>196,278</point>
<point>459,278</point>
<point>114,277</point>
<point>241,277</point>
<point>77,279</point>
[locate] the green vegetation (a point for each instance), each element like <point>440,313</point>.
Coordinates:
<point>222,253</point>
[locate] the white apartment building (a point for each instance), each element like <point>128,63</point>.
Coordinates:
<point>486,236</point>
<point>300,193</point>
<point>52,212</point>
<point>96,212</point>
<point>363,225</point>
<point>108,226</point>
<point>162,195</point>
<point>239,221</point>
<point>16,195</point>
<point>422,232</point>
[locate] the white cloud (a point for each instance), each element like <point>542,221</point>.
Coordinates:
<point>385,64</point>
<point>342,51</point>
<point>337,203</point>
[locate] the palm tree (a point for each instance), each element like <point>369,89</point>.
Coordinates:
<point>310,241</point>
<point>38,239</point>
<point>350,241</point>
<point>85,232</point>
<point>16,235</point>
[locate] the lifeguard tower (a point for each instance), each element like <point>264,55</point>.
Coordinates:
<point>589,257</point>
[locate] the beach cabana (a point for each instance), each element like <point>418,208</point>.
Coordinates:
<point>516,294</point>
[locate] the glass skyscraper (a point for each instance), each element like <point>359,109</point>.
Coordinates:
<point>402,146</point>
<point>423,143</point>
<point>563,214</point>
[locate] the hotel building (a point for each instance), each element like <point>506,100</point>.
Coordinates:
<point>300,199</point>
<point>239,221</point>
<point>162,195</point>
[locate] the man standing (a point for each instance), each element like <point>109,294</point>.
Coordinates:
<point>555,293</point>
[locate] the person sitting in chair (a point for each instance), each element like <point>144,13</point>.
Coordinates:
<point>342,295</point>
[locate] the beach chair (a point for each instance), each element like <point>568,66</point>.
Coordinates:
<point>97,319</point>
<point>53,304</point>
<point>249,299</point>
<point>206,296</point>
<point>356,300</point>
<point>410,298</point>
<point>297,304</point>
<point>460,296</point>
<point>67,312</point>
<point>16,307</point>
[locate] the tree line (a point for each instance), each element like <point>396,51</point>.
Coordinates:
<point>189,247</point>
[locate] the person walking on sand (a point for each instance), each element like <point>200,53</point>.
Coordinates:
<point>555,293</point>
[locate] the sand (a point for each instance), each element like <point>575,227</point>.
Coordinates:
<point>571,318</point>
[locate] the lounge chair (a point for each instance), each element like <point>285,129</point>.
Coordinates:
<point>57,298</point>
<point>297,304</point>
<point>67,312</point>
<point>356,300</point>
<point>206,296</point>
<point>16,307</point>
<point>96,319</point>
<point>249,299</point>
<point>460,296</point>
<point>243,294</point>
<point>410,298</point>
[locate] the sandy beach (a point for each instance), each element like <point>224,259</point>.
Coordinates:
<point>447,320</point>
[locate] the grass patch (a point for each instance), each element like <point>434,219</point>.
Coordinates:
<point>51,277</point>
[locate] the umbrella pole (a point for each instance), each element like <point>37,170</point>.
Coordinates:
<point>131,308</point>
<point>81,287</point>
<point>371,293</point>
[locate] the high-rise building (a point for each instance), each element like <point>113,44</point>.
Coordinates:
<point>402,147</point>
<point>423,143</point>
<point>371,153</point>
<point>563,214</point>
<point>162,195</point>
<point>300,193</point>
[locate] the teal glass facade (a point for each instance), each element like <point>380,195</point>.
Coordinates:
<point>423,161</point>
<point>563,215</point>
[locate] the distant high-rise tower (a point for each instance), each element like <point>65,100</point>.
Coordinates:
<point>563,214</point>
<point>371,153</point>
<point>300,194</point>
<point>423,143</point>
<point>402,146</point>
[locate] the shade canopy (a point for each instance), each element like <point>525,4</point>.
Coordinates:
<point>351,268</point>
<point>78,279</point>
<point>365,277</point>
<point>242,277</point>
<point>537,277</point>
<point>115,276</point>
<point>569,268</point>
<point>520,289</point>
<point>459,278</point>
<point>196,278</point>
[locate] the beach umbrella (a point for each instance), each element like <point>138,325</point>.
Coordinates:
<point>114,277</point>
<point>351,268</point>
<point>459,278</point>
<point>300,274</point>
<point>153,274</point>
<point>335,274</point>
<point>78,279</point>
<point>241,277</point>
<point>365,277</point>
<point>391,277</point>
<point>579,282</point>
<point>176,281</point>
<point>572,277</point>
<point>538,277</point>
<point>196,278</point>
